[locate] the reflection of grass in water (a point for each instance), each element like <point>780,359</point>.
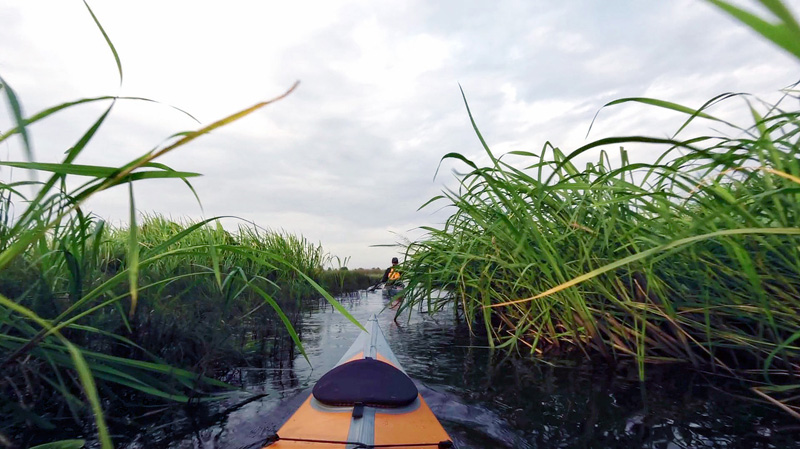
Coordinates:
<point>693,258</point>
<point>528,405</point>
<point>85,309</point>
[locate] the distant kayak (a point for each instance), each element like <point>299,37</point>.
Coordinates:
<point>366,401</point>
<point>391,290</point>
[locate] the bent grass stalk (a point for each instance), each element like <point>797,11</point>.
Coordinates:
<point>693,257</point>
<point>53,219</point>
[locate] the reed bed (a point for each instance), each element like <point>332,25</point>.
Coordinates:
<point>693,258</point>
<point>192,323</point>
<point>92,317</point>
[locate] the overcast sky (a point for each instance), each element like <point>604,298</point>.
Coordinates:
<point>348,158</point>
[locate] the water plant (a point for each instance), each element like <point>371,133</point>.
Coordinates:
<point>693,258</point>
<point>72,290</point>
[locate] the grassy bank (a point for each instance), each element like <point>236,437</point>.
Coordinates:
<point>693,258</point>
<point>344,280</point>
<point>95,319</point>
<point>208,300</point>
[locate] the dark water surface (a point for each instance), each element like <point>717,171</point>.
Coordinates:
<point>486,401</point>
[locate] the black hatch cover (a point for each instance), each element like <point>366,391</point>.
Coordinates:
<point>367,381</point>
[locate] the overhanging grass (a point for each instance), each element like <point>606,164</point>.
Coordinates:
<point>73,291</point>
<point>692,258</point>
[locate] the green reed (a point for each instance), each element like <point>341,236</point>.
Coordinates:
<point>80,303</point>
<point>693,258</point>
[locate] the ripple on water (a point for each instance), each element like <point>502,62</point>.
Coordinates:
<point>488,401</point>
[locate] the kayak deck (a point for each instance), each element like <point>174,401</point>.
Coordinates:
<point>407,423</point>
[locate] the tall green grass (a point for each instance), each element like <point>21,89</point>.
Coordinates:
<point>189,325</point>
<point>84,307</point>
<point>693,258</point>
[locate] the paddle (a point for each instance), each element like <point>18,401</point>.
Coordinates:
<point>374,287</point>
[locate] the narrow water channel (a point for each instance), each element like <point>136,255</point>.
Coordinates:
<point>487,401</point>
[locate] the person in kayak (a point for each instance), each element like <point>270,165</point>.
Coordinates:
<point>391,283</point>
<point>392,274</point>
<point>390,277</point>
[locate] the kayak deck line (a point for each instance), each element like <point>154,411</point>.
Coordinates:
<point>356,445</point>
<point>366,401</point>
<point>440,445</point>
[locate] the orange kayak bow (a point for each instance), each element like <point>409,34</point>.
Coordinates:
<point>366,401</point>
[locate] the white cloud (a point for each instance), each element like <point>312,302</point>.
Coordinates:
<point>348,158</point>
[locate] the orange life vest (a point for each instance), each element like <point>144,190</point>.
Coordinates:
<point>394,275</point>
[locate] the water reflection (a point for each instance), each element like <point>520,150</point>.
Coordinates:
<point>486,400</point>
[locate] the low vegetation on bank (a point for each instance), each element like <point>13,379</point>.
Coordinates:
<point>692,257</point>
<point>208,300</point>
<point>95,318</point>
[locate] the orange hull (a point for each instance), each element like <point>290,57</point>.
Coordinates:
<point>316,425</point>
